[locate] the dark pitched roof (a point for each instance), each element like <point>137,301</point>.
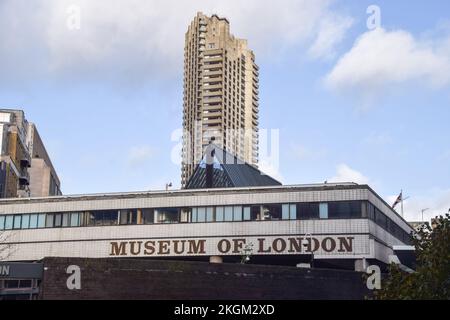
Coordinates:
<point>228,172</point>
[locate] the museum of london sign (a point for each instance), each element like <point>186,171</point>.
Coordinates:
<point>234,246</point>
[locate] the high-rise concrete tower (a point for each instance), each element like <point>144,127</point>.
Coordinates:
<point>220,93</point>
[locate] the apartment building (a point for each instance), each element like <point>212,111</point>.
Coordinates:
<point>220,93</point>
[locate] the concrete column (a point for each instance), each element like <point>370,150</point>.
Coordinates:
<point>215,259</point>
<point>361,265</point>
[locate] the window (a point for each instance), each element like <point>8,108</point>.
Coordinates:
<point>228,213</point>
<point>289,211</point>
<point>148,216</point>
<point>97,218</point>
<point>380,218</point>
<point>9,220</point>
<point>89,219</point>
<point>167,215</point>
<point>33,221</point>
<point>194,215</point>
<point>271,212</point>
<point>345,210</point>
<point>128,217</point>
<point>285,212</point>
<point>17,221</point>
<point>219,214</point>
<point>201,214</point>
<point>255,212</point>
<point>49,220</point>
<point>26,221</point>
<point>237,213</point>
<point>58,220</point>
<point>308,211</point>
<point>110,217</point>
<point>247,213</point>
<point>42,220</point>
<point>123,216</point>
<point>75,219</point>
<point>66,219</point>
<point>2,222</point>
<point>371,211</point>
<point>323,211</point>
<point>209,214</point>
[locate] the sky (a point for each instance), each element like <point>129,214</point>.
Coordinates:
<point>359,91</point>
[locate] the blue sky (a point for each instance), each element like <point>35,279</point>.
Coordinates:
<point>354,104</point>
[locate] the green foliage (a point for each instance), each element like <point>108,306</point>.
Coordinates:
<point>431,281</point>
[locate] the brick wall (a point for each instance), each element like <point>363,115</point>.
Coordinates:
<point>155,279</point>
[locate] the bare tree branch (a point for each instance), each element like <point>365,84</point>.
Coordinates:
<point>5,247</point>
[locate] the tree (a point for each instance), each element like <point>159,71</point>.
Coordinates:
<point>431,281</point>
<point>5,248</point>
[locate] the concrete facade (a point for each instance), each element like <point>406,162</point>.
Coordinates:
<point>220,93</point>
<point>14,154</point>
<point>44,180</point>
<point>329,239</point>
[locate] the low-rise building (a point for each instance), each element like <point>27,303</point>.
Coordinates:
<point>343,225</point>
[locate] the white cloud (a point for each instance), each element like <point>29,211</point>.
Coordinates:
<point>346,174</point>
<point>141,40</point>
<point>332,31</point>
<point>380,59</point>
<point>437,201</point>
<point>139,156</point>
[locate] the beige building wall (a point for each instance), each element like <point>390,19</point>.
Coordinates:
<point>220,93</point>
<point>44,180</point>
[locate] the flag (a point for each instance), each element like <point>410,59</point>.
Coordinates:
<point>399,199</point>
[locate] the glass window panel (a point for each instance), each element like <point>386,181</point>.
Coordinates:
<point>355,210</point>
<point>109,217</point>
<point>9,222</point>
<point>323,211</point>
<point>75,219</point>
<point>293,211</point>
<point>65,219</point>
<point>285,212</point>
<point>2,222</point>
<point>149,216</point>
<point>132,216</point>
<point>97,217</point>
<point>17,221</point>
<point>271,212</point>
<point>219,214</point>
<point>237,213</point>
<point>123,217</point>
<point>185,215</point>
<point>209,214</point>
<point>42,220</point>
<point>255,213</point>
<point>247,213</point>
<point>308,210</point>
<point>33,221</point>
<point>58,220</point>
<point>201,214</point>
<point>49,220</point>
<point>228,214</point>
<point>194,215</point>
<point>90,219</point>
<point>167,215</point>
<point>364,209</point>
<point>26,221</point>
